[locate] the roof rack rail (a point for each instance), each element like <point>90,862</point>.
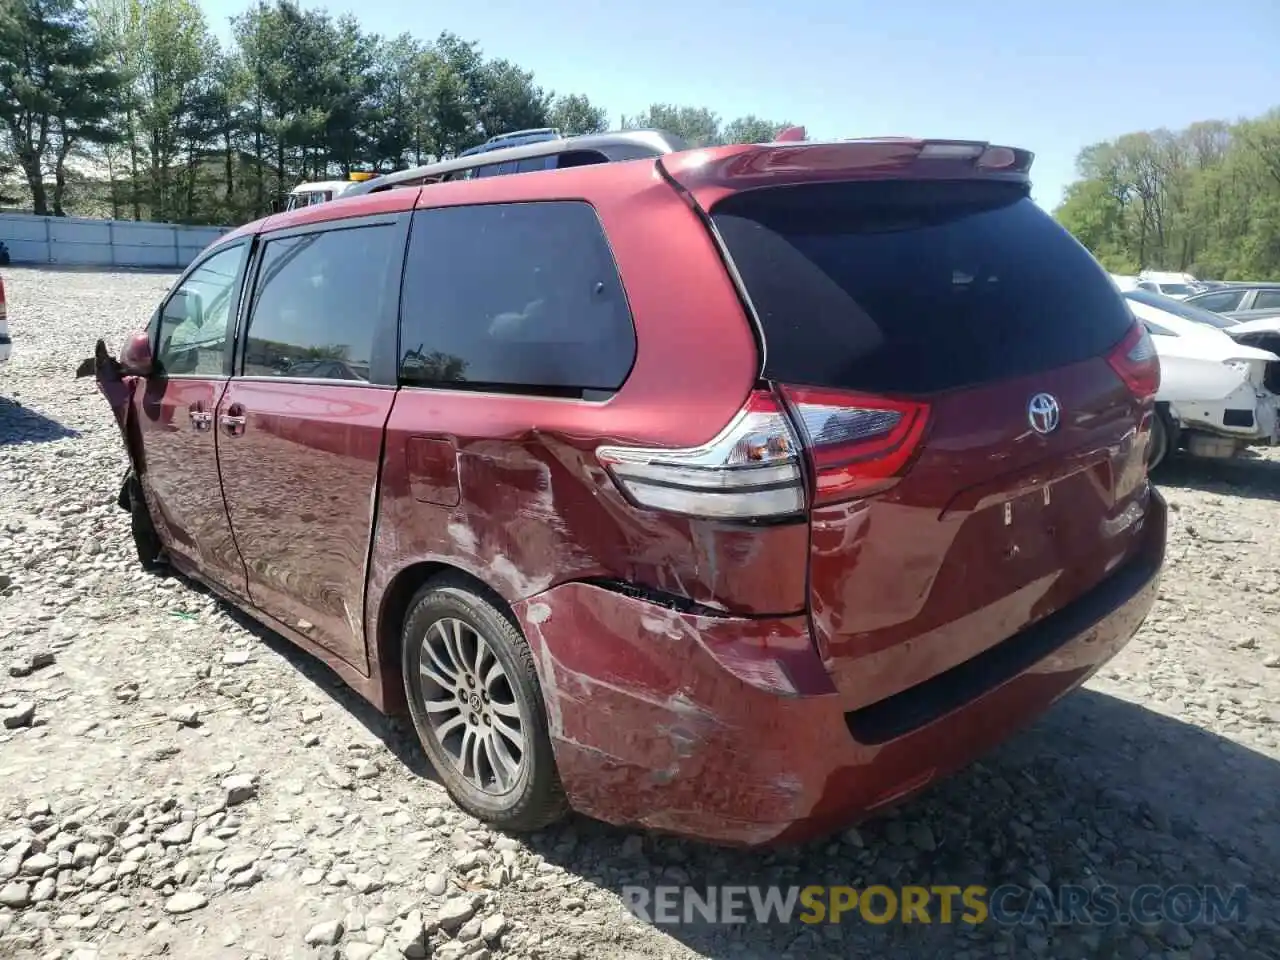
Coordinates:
<point>541,154</point>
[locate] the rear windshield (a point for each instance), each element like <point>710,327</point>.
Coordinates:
<point>911,287</point>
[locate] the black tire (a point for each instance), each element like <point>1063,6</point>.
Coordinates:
<point>1164,438</point>
<point>146,540</point>
<point>536,798</point>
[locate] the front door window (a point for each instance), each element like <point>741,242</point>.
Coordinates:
<point>193,324</point>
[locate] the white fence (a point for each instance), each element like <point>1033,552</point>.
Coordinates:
<point>102,243</point>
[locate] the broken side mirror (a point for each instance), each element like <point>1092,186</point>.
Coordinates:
<point>136,359</point>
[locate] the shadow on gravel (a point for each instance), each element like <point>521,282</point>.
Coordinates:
<point>1099,787</point>
<point>1247,476</point>
<point>19,424</point>
<point>400,741</point>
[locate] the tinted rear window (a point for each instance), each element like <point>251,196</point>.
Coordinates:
<point>915,287</point>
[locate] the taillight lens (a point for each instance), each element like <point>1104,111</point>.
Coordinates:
<point>858,443</point>
<point>749,471</point>
<point>1136,363</point>
<point>3,314</point>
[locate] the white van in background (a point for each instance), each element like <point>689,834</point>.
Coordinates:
<point>322,191</point>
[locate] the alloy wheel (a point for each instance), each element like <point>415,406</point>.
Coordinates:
<point>471,706</point>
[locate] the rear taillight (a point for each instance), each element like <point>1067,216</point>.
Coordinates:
<point>858,443</point>
<point>1136,363</point>
<point>750,471</point>
<point>3,314</point>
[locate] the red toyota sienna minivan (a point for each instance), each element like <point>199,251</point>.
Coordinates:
<point>734,492</point>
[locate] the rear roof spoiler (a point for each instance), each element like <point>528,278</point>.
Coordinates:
<point>780,163</point>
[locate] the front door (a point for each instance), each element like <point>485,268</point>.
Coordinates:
<point>175,410</point>
<point>300,428</point>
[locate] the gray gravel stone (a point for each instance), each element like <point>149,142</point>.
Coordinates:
<point>239,788</point>
<point>435,884</point>
<point>177,835</point>
<point>409,936</point>
<point>15,895</point>
<point>326,932</point>
<point>186,902</point>
<point>38,863</point>
<point>455,912</point>
<point>20,715</point>
<point>493,927</point>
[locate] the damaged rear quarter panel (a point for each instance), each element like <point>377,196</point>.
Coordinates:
<point>651,711</point>
<point>533,506</point>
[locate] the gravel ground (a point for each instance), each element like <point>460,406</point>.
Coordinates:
<point>176,782</point>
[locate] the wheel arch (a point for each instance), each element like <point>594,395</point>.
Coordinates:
<point>393,608</point>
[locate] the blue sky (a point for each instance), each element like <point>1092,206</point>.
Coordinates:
<point>1051,77</point>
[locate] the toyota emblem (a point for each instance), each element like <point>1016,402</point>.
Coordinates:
<point>1043,413</point>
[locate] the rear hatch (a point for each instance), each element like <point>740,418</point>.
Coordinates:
<point>974,398</point>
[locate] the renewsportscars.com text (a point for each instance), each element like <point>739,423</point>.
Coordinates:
<point>944,904</point>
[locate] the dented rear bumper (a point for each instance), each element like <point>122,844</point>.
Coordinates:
<point>729,729</point>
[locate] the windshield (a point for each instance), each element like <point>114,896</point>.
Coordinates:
<point>1179,308</point>
<point>1176,289</point>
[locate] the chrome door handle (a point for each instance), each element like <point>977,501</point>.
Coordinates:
<point>200,419</point>
<point>233,425</point>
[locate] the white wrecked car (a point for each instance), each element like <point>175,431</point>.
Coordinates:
<point>1214,398</point>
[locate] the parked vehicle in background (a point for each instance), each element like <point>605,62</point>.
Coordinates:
<point>514,139</point>
<point>1180,308</point>
<point>904,510</point>
<point>6,344</point>
<point>1176,285</point>
<point>1262,333</point>
<point>1241,301</point>
<point>322,191</point>
<point>1216,395</point>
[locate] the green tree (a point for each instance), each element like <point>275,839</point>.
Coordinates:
<point>394,115</point>
<point>509,100</point>
<point>752,129</point>
<point>574,114</point>
<point>1205,199</point>
<point>175,65</point>
<point>118,27</point>
<point>57,92</point>
<point>697,126</point>
<point>192,131</point>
